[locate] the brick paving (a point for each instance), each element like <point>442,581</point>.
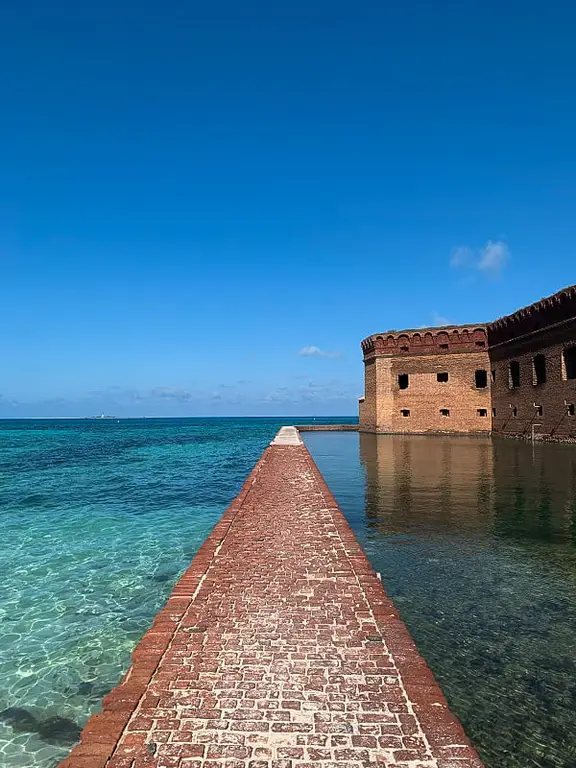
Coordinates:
<point>278,648</point>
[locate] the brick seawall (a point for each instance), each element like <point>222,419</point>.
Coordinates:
<point>328,428</point>
<point>278,648</point>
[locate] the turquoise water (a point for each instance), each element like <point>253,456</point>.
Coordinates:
<point>475,540</point>
<point>97,521</point>
<point>476,543</point>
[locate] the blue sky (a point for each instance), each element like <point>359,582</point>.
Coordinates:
<point>205,207</point>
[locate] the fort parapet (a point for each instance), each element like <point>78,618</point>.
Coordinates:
<point>515,376</point>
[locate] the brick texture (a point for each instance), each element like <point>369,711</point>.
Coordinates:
<point>278,648</point>
<point>421,407</point>
<point>514,407</point>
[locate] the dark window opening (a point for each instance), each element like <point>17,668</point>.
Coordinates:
<point>482,412</point>
<point>480,343</point>
<point>481,379</point>
<point>403,349</point>
<point>569,356</point>
<point>443,346</point>
<point>514,374</point>
<point>403,381</point>
<point>514,411</point>
<point>538,410</point>
<point>405,412</point>
<point>493,375</point>
<point>494,413</point>
<point>445,412</point>
<point>539,369</point>
<point>442,377</point>
<point>571,409</point>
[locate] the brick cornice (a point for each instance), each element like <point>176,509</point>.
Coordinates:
<point>543,314</point>
<point>426,341</point>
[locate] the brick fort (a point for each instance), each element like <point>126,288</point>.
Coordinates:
<point>515,376</point>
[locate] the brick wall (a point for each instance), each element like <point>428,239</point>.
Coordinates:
<point>368,405</point>
<point>426,398</point>
<point>514,406</point>
<point>420,406</point>
<point>532,345</point>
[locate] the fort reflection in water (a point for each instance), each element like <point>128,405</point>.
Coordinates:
<point>498,486</point>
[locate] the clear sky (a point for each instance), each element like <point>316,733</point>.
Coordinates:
<point>204,207</point>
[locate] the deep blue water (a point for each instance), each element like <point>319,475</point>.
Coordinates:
<point>97,521</point>
<point>475,540</point>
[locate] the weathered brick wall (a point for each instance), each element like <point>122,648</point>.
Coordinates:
<point>384,395</point>
<point>458,352</point>
<point>514,407</point>
<point>367,407</point>
<point>536,338</point>
<point>425,397</point>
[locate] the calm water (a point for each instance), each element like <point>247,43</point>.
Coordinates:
<point>476,543</point>
<point>97,521</point>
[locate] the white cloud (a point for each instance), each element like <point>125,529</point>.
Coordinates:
<point>493,256</point>
<point>313,351</point>
<point>490,259</point>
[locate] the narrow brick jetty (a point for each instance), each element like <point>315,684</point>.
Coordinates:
<point>278,648</point>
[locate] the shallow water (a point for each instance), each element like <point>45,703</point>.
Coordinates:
<point>476,543</point>
<point>97,521</point>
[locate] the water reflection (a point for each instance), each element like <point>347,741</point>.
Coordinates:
<point>417,482</point>
<point>503,487</point>
<point>475,542</point>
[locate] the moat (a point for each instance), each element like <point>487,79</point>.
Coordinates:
<point>475,539</point>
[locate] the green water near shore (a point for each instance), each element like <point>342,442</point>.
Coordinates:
<point>476,543</point>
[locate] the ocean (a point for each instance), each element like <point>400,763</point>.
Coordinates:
<point>475,540</point>
<point>98,518</point>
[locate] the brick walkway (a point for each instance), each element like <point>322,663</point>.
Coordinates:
<point>278,648</point>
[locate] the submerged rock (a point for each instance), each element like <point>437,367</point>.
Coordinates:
<point>59,730</point>
<point>54,730</point>
<point>85,688</point>
<point>19,719</point>
<point>164,574</point>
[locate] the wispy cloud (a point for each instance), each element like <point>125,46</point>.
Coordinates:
<point>313,351</point>
<point>172,393</point>
<point>489,260</point>
<point>312,391</point>
<point>493,256</point>
<point>439,319</point>
<point>463,256</point>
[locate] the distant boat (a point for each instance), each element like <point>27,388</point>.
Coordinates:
<point>103,416</point>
